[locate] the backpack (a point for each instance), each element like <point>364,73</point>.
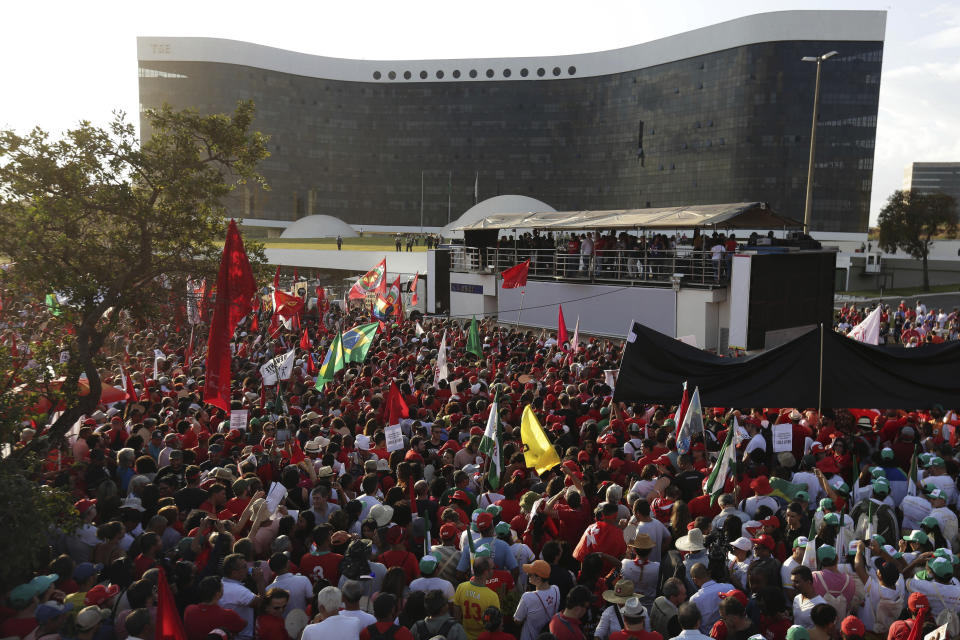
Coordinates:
<point>888,612</point>
<point>386,635</point>
<point>948,617</point>
<point>421,629</point>
<point>839,601</point>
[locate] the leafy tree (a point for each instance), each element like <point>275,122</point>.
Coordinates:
<point>115,225</point>
<point>909,221</point>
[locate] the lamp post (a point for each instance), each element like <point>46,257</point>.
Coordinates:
<point>813,138</point>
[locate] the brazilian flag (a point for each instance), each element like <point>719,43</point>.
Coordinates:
<point>357,341</point>
<point>333,362</point>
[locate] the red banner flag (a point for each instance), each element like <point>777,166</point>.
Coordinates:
<point>516,276</point>
<point>169,625</point>
<point>396,407</point>
<point>128,386</point>
<point>235,289</point>
<point>373,281</point>
<point>413,288</point>
<point>305,341</point>
<point>312,369</point>
<point>562,337</point>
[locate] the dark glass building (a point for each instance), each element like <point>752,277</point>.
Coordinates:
<point>720,114</point>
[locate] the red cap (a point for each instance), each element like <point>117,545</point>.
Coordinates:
<point>737,595</point>
<point>448,530</point>
<point>772,521</point>
<point>766,541</point>
<point>476,431</point>
<point>616,463</point>
<point>413,456</point>
<point>84,505</point>
<point>663,460</point>
<point>828,465</point>
<point>395,534</point>
<point>761,484</point>
<point>234,434</point>
<point>460,496</point>
<point>484,521</point>
<point>100,594</point>
<point>698,446</point>
<point>450,445</point>
<point>570,464</point>
<point>852,626</point>
<point>816,447</point>
<point>583,456</point>
<point>607,439</point>
<point>916,601</point>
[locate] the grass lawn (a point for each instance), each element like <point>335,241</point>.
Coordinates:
<point>368,242</point>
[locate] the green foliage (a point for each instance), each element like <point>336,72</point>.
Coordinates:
<point>117,226</point>
<point>909,221</point>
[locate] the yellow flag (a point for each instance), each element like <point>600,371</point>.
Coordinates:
<point>537,450</point>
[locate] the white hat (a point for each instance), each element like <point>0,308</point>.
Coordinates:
<point>742,543</point>
<point>693,541</point>
<point>132,502</point>
<point>382,514</point>
<point>362,442</point>
<point>633,608</point>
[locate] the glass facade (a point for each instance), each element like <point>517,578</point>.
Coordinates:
<point>729,126</point>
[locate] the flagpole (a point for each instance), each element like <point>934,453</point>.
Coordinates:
<point>520,312</point>
<point>820,378</point>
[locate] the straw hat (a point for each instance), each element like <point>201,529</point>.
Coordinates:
<point>621,592</point>
<point>693,541</point>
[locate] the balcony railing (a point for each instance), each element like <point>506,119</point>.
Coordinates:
<point>639,266</point>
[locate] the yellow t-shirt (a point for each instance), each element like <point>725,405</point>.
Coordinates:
<point>473,601</point>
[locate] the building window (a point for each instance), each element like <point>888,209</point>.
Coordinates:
<point>506,73</point>
<point>489,73</point>
<point>407,75</point>
<point>376,75</point>
<point>556,71</point>
<point>541,71</point>
<point>524,72</point>
<point>439,75</point>
<point>572,71</point>
<point>473,73</point>
<point>423,75</point>
<point>392,75</point>
<point>456,73</point>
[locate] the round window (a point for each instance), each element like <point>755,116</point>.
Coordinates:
<point>506,73</point>
<point>541,71</point>
<point>376,75</point>
<point>556,71</point>
<point>407,75</point>
<point>489,73</point>
<point>392,75</point>
<point>473,73</point>
<point>572,71</point>
<point>456,73</point>
<point>524,72</point>
<point>440,75</point>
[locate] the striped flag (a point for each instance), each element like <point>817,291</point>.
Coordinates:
<point>491,445</point>
<point>810,553</point>
<point>692,423</point>
<point>726,463</point>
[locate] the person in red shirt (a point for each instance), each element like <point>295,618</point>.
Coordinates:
<point>385,610</point>
<point>200,619</point>
<point>634,619</point>
<point>604,536</point>
<point>216,498</point>
<point>565,625</point>
<point>321,563</point>
<point>270,622</point>
<point>150,546</point>
<point>397,555</point>
<point>493,625</point>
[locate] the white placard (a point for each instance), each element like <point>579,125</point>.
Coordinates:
<point>782,437</point>
<point>276,495</point>
<point>940,633</point>
<point>394,438</point>
<point>238,419</point>
<point>914,510</point>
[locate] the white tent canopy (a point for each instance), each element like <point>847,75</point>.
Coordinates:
<point>741,215</point>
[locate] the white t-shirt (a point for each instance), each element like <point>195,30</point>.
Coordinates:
<point>660,534</point>
<point>873,593</point>
<point>363,618</point>
<point>644,577</point>
<point>237,597</point>
<point>941,596</point>
<point>368,503</point>
<point>788,565</point>
<point>535,610</point>
<point>339,627</point>
<point>756,442</point>
<point>802,608</point>
<point>429,584</point>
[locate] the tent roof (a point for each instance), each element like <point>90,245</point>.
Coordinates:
<point>740,215</point>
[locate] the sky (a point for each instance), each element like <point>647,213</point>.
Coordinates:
<point>63,62</point>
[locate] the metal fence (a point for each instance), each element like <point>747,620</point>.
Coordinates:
<point>683,264</point>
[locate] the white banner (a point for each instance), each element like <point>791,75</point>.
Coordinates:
<point>782,437</point>
<point>278,368</point>
<point>394,438</point>
<point>238,419</point>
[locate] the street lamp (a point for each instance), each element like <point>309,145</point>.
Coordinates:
<point>813,138</point>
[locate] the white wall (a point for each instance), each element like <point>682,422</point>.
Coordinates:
<point>603,309</point>
<point>468,304</point>
<point>697,314</point>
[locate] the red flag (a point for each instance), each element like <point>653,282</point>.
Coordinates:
<point>305,341</point>
<point>128,386</point>
<point>255,323</point>
<point>311,365</point>
<point>684,403</point>
<point>188,352</point>
<point>413,288</point>
<point>321,296</point>
<point>396,407</point>
<point>235,289</point>
<point>169,625</point>
<point>516,276</point>
<point>562,337</point>
<point>285,305</point>
<point>296,453</point>
<point>373,281</point>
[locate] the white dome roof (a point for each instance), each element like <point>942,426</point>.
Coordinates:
<point>319,227</point>
<point>499,204</point>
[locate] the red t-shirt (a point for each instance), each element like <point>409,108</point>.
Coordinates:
<point>325,566</point>
<point>141,564</point>
<point>403,559</point>
<point>511,509</point>
<point>270,627</point>
<point>400,633</point>
<point>19,627</point>
<point>489,635</point>
<point>200,619</point>
<point>500,579</point>
<point>564,628</point>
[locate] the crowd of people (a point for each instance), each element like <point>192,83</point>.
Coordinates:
<point>299,521</point>
<point>904,324</point>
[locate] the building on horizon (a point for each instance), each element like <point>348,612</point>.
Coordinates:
<point>715,115</point>
<point>933,177</point>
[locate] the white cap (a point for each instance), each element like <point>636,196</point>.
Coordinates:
<point>742,543</point>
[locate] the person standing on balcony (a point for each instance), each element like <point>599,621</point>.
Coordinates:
<point>573,250</point>
<point>586,252</point>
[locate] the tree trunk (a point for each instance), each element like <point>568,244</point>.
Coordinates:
<point>926,275</point>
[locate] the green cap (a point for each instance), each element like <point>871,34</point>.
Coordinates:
<point>604,411</point>
<point>924,458</point>
<point>935,461</point>
<point>881,486</point>
<point>879,539</point>
<point>843,487</point>
<point>802,495</point>
<point>670,422</point>
<point>878,472</point>
<point>943,553</point>
<point>831,518</point>
<point>826,504</point>
<point>800,541</point>
<point>502,529</point>
<point>826,552</point>
<point>796,632</point>
<point>483,551</point>
<point>886,453</point>
<point>931,522</point>
<point>428,563</point>
<point>942,567</point>
<point>917,536</point>
<point>494,510</point>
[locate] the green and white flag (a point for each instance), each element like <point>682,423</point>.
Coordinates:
<point>726,463</point>
<point>491,445</point>
<point>912,482</point>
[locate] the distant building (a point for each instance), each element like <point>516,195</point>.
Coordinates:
<point>715,115</point>
<point>933,177</point>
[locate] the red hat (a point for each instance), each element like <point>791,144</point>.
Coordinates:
<point>460,496</point>
<point>450,445</point>
<point>761,484</point>
<point>476,431</point>
<point>852,626</point>
<point>607,439</point>
<point>395,534</point>
<point>828,465</point>
<point>916,601</point>
<point>484,521</point>
<point>616,463</point>
<point>583,456</point>
<point>100,594</point>
<point>766,541</point>
<point>89,422</point>
<point>448,530</point>
<point>737,595</point>
<point>698,446</point>
<point>519,473</point>
<point>663,460</point>
<point>573,466</point>
<point>816,447</point>
<point>413,456</point>
<point>234,434</point>
<point>772,521</point>
<point>84,505</point>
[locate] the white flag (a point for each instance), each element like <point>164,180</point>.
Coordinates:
<point>419,329</point>
<point>490,445</point>
<point>610,377</point>
<point>575,343</point>
<point>157,357</point>
<point>278,368</point>
<point>868,331</point>
<point>442,373</point>
<point>410,381</point>
<point>692,423</point>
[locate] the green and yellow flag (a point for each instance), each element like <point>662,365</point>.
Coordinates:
<point>356,342</point>
<point>53,304</point>
<point>474,345</point>
<point>537,449</point>
<point>333,362</point>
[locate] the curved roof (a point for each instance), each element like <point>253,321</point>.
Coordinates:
<point>777,26</point>
<point>319,227</point>
<point>509,204</point>
<point>740,215</point>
